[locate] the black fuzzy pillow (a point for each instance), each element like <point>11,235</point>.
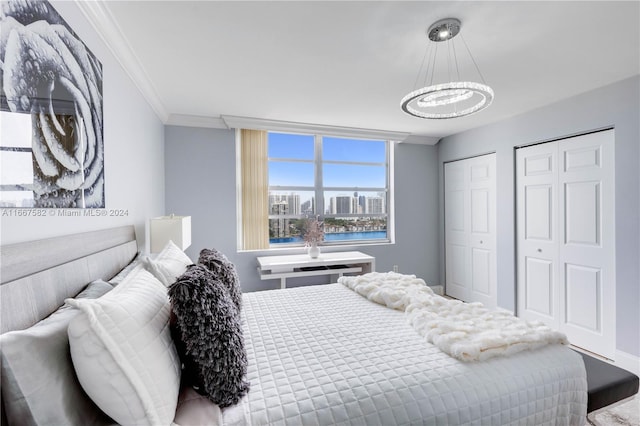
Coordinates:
<point>224,270</point>
<point>209,336</point>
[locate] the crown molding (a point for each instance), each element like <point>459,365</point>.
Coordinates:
<point>196,121</point>
<point>101,19</point>
<point>234,122</point>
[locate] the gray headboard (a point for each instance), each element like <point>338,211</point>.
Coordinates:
<point>36,276</point>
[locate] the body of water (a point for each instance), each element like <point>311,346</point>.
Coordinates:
<point>337,236</point>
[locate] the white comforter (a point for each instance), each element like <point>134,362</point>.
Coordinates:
<point>324,355</point>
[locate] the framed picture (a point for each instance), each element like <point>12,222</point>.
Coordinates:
<point>51,142</point>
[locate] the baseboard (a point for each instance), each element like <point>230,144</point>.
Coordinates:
<point>438,289</point>
<point>628,362</point>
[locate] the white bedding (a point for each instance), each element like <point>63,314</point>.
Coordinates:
<point>325,355</point>
<point>466,331</point>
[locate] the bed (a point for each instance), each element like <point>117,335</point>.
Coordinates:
<point>315,355</point>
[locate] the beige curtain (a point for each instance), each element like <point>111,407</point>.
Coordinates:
<point>255,189</point>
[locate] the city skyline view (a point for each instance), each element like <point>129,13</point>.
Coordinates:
<point>349,176</point>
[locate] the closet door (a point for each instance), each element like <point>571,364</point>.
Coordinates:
<point>587,252</point>
<point>470,208</point>
<point>537,234</point>
<point>565,247</point>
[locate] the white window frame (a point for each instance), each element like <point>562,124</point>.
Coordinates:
<point>391,139</point>
<point>320,208</point>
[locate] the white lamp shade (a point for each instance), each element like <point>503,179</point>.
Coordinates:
<point>170,228</point>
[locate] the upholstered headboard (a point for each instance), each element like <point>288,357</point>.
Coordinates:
<point>36,276</point>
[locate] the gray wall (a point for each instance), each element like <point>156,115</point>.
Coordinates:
<point>133,154</point>
<point>201,182</point>
<point>617,106</point>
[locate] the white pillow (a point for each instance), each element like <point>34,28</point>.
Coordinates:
<point>123,353</point>
<point>117,279</point>
<point>170,263</point>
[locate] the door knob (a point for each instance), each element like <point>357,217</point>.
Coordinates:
<point>539,250</point>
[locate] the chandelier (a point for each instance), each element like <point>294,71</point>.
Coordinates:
<point>454,98</point>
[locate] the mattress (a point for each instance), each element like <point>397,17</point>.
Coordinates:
<point>322,355</point>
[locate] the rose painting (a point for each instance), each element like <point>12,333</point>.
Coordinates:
<point>51,146</point>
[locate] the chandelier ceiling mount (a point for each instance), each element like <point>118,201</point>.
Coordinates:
<point>444,29</point>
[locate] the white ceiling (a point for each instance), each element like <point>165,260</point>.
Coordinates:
<point>348,64</point>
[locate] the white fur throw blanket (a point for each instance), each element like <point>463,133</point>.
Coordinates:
<point>466,331</point>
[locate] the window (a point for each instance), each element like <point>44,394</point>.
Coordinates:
<point>343,181</point>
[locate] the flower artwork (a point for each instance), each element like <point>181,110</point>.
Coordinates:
<point>51,109</point>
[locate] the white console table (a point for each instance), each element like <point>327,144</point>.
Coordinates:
<point>301,265</point>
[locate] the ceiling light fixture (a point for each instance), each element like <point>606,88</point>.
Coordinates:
<point>452,99</point>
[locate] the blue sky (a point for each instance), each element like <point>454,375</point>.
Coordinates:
<point>282,145</point>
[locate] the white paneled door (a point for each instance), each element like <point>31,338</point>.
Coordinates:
<point>470,229</point>
<point>565,238</point>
